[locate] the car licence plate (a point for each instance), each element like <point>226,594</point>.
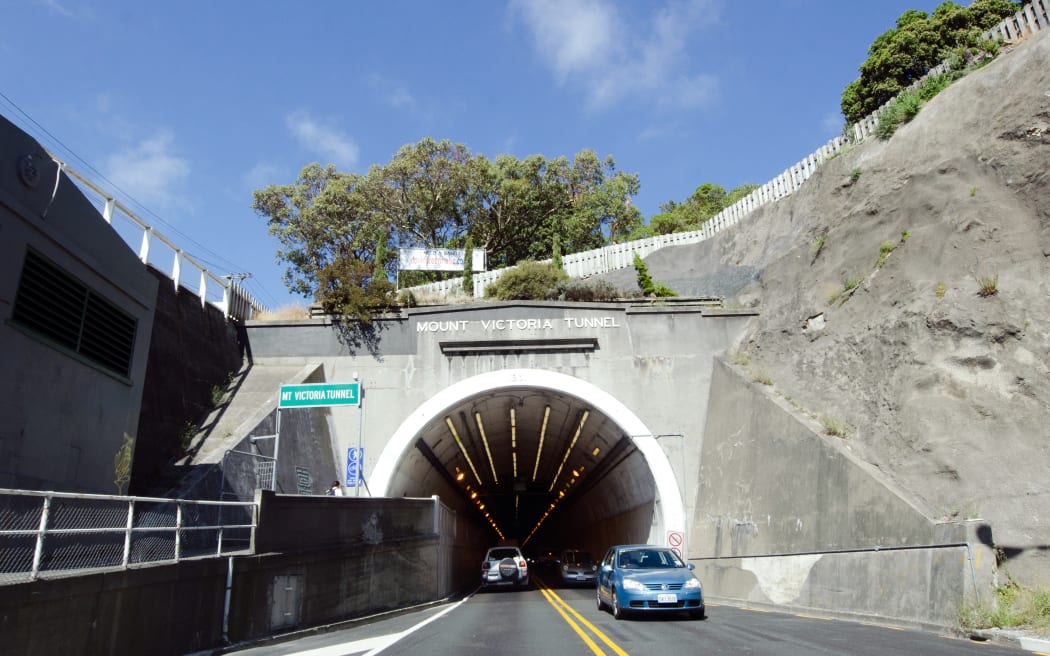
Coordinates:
<point>666,599</point>
<point>580,577</point>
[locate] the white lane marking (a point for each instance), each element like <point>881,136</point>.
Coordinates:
<point>374,645</point>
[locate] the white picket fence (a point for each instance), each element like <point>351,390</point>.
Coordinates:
<point>1033,17</point>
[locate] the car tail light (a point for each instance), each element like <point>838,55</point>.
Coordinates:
<point>485,565</point>
<point>523,564</point>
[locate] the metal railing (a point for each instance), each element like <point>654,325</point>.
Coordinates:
<point>52,532</point>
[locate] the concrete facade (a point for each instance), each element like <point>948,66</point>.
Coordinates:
<point>66,422</point>
<point>787,516</point>
<point>642,371</point>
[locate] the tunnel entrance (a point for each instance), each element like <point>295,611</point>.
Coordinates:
<point>543,457</point>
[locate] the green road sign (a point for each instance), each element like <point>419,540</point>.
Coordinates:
<point>319,395</point>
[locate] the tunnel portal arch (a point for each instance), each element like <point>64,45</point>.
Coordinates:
<point>670,514</point>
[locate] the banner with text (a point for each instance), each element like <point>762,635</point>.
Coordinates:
<point>439,259</point>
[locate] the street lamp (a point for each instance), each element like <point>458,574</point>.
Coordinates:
<point>360,432</point>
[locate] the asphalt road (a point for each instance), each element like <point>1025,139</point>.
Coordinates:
<point>543,621</point>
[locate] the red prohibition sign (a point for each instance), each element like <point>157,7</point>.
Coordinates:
<point>674,538</point>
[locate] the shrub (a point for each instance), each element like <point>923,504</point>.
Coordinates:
<point>407,299</point>
<point>854,175</point>
<point>941,290</point>
<point>762,377</point>
<point>885,248</point>
<point>988,286</point>
<point>645,281</point>
<point>527,281</point>
<point>587,291</point>
<point>834,427</point>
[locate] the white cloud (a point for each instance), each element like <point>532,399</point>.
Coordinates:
<point>591,44</point>
<point>149,171</point>
<point>326,140</point>
<point>260,176</point>
<point>392,92</point>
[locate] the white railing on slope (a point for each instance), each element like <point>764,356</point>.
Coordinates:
<point>223,292</point>
<point>1033,17</point>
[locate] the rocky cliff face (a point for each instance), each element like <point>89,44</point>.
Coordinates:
<point>869,284</point>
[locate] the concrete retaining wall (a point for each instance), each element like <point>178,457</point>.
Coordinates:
<point>788,515</point>
<point>339,558</point>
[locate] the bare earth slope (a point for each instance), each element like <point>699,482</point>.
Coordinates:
<point>945,390</point>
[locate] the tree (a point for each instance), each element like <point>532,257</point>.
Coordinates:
<point>338,229</point>
<point>468,268</point>
<point>919,42</point>
<point>328,239</point>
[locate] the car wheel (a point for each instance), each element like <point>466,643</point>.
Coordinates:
<point>598,598</point>
<point>618,612</point>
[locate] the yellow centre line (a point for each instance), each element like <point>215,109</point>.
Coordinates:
<point>562,606</point>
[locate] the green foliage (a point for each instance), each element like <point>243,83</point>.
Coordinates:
<point>1014,606</point>
<point>818,245</point>
<point>987,286</point>
<point>885,248</point>
<point>902,55</point>
<point>706,202</point>
<point>854,175</point>
<point>941,290</point>
<point>556,258</point>
<point>645,281</point>
<point>588,291</point>
<point>335,229</point>
<point>905,235</point>
<point>833,426</point>
<point>973,191</point>
<point>528,281</point>
<point>762,377</point>
<point>468,268</point>
<point>186,436</point>
<point>848,284</point>
<point>407,299</point>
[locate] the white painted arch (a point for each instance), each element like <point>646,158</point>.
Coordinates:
<point>670,515</point>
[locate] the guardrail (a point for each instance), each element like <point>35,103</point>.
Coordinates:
<point>1033,17</point>
<point>52,532</point>
<point>224,292</point>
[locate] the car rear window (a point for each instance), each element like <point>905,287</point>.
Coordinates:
<point>500,554</point>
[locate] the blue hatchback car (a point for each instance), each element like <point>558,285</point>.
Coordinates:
<point>647,578</point>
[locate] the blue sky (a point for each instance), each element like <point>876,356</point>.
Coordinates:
<point>181,109</point>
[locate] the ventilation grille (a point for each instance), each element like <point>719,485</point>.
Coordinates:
<point>60,308</point>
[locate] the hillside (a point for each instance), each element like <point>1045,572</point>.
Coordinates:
<point>943,389</point>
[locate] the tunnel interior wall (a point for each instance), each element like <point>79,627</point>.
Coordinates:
<point>786,514</point>
<point>598,520</point>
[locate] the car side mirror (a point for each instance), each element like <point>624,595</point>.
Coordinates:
<point>691,566</point>
<point>606,568</point>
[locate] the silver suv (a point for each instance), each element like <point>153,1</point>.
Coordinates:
<point>504,567</point>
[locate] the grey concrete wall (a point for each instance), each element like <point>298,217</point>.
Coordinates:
<point>65,423</point>
<point>177,390</point>
<point>775,496</point>
<point>328,560</point>
<point>654,360</point>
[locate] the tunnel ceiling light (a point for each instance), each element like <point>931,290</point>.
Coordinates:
<point>575,474</point>
<point>459,474</point>
<point>514,442</point>
<point>539,448</point>
<point>485,441</point>
<point>463,450</point>
<point>473,495</point>
<point>568,450</point>
<point>596,451</point>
